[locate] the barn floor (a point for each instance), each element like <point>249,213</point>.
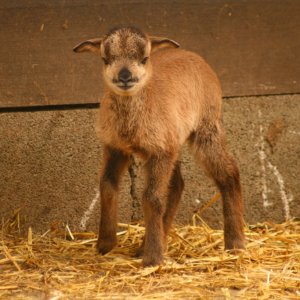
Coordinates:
<point>61,264</point>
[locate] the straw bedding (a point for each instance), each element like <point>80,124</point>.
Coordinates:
<point>65,265</point>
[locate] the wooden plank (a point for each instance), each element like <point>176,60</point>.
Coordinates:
<point>253,45</point>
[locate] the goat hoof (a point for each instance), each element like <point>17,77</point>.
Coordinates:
<point>235,245</point>
<point>152,261</point>
<point>105,246</point>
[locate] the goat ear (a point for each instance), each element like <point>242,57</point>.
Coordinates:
<point>162,42</point>
<point>92,45</point>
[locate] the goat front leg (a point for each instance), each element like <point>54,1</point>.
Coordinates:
<point>115,163</point>
<point>159,170</point>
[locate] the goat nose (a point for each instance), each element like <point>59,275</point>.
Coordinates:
<point>125,75</point>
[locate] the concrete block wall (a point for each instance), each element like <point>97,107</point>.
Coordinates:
<point>50,162</point>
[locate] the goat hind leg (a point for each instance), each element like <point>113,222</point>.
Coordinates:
<point>175,191</point>
<point>210,149</point>
<point>159,171</point>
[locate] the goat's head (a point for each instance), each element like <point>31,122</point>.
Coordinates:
<point>126,55</point>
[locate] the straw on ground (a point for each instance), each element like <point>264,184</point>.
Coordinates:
<point>51,266</point>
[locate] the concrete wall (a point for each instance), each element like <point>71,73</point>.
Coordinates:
<point>50,162</point>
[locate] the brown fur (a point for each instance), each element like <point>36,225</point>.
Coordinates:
<point>175,97</point>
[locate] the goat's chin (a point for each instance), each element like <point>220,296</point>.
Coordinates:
<point>132,91</point>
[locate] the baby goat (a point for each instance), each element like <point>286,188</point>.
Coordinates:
<point>158,97</point>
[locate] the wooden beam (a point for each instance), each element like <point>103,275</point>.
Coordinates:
<point>253,45</point>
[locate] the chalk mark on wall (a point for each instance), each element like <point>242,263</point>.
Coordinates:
<point>264,162</point>
<point>284,197</point>
<point>89,211</point>
<point>262,157</point>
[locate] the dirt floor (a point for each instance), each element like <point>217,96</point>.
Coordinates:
<point>50,166</point>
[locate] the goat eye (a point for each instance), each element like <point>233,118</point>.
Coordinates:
<point>144,60</point>
<point>105,61</point>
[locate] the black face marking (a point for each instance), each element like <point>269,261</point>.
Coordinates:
<point>144,60</point>
<point>141,49</point>
<point>107,52</point>
<point>106,62</point>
